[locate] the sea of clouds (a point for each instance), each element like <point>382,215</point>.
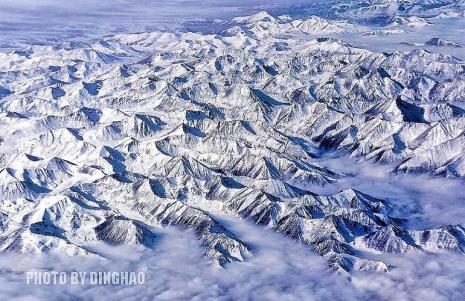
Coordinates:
<point>279,269</point>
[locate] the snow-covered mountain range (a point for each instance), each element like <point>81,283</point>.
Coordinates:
<point>104,142</point>
<point>383,11</point>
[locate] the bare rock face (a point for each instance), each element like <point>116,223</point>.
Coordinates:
<point>105,143</point>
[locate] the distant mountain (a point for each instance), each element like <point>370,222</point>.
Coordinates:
<point>263,24</point>
<point>442,42</point>
<point>380,12</point>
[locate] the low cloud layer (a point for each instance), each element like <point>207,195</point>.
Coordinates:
<point>279,269</point>
<point>425,201</point>
<point>416,277</point>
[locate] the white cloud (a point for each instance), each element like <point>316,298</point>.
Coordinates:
<point>280,269</point>
<point>424,200</point>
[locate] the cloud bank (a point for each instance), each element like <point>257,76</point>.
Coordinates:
<point>280,269</point>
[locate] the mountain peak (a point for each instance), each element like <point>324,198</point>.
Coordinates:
<point>261,16</point>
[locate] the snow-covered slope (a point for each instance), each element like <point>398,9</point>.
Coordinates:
<point>263,25</point>
<point>102,143</point>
